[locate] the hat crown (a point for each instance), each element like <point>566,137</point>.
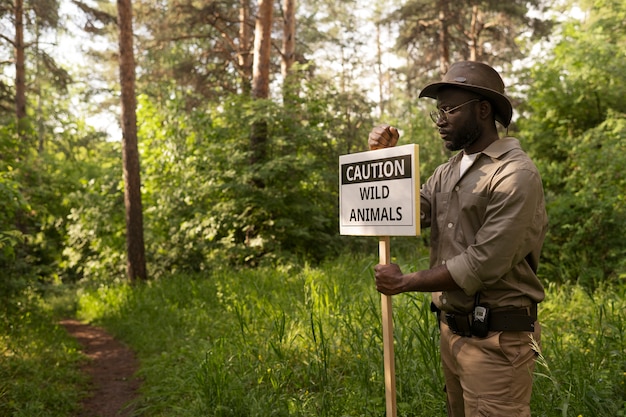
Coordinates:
<point>475,74</point>
<point>479,78</point>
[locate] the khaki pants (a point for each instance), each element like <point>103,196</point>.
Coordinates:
<point>491,376</point>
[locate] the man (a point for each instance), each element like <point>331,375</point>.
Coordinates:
<point>486,211</point>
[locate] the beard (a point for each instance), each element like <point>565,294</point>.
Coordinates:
<point>465,136</point>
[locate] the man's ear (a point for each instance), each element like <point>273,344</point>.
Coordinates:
<point>486,109</point>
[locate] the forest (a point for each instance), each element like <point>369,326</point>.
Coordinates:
<point>184,154</point>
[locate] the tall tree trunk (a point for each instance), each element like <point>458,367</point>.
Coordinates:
<point>136,263</point>
<point>20,69</point>
<point>444,38</point>
<point>39,118</point>
<point>244,54</point>
<point>474,33</point>
<point>381,76</point>
<point>288,55</point>
<point>261,81</point>
<point>262,45</point>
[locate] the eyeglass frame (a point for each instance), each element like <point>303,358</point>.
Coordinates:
<point>442,114</point>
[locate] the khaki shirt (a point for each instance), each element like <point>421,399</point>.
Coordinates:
<point>487,227</point>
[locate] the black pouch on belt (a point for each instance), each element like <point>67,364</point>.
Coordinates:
<point>459,324</point>
<point>480,318</point>
<point>480,321</point>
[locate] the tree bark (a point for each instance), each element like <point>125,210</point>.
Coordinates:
<point>474,34</point>
<point>262,45</point>
<point>381,76</point>
<point>288,53</point>
<point>444,37</point>
<point>135,248</point>
<point>261,80</point>
<point>244,54</point>
<point>289,37</point>
<point>20,69</point>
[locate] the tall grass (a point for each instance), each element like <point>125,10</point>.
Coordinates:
<point>582,366</point>
<point>39,362</point>
<point>303,342</point>
<point>307,342</point>
<point>294,342</point>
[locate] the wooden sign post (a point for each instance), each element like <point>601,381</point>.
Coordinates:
<point>378,196</point>
<point>387,321</point>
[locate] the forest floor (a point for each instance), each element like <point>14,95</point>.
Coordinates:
<point>111,367</point>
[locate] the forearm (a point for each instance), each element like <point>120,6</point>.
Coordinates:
<point>429,280</point>
<point>390,280</point>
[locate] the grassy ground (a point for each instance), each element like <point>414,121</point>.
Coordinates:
<point>39,363</point>
<point>307,342</point>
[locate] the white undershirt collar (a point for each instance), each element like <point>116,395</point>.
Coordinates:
<point>467,161</point>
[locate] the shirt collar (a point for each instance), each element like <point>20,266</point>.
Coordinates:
<point>495,150</point>
<point>501,146</point>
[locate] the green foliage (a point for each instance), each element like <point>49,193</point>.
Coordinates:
<point>39,176</point>
<point>587,220</point>
<point>27,243</point>
<point>40,371</point>
<point>574,126</point>
<point>13,207</point>
<point>94,246</point>
<point>202,204</point>
<point>307,342</point>
<point>574,89</point>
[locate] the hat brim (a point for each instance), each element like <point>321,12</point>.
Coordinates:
<point>504,108</point>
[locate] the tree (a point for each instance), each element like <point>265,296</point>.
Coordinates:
<point>203,49</point>
<point>20,67</point>
<point>289,36</point>
<point>132,181</point>
<point>433,33</point>
<point>244,48</point>
<point>29,18</point>
<point>261,81</point>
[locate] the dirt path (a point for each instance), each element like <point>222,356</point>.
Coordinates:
<point>112,366</point>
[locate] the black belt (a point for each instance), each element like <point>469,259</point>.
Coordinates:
<point>519,320</point>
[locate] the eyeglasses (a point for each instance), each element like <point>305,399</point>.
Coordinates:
<point>441,114</point>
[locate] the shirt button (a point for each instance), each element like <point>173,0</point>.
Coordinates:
<point>450,225</point>
<point>443,262</point>
<point>457,188</point>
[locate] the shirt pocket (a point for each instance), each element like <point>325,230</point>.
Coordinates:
<point>471,214</point>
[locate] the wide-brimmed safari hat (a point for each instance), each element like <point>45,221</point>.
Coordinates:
<point>479,78</point>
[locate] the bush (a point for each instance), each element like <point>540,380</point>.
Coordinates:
<point>585,241</point>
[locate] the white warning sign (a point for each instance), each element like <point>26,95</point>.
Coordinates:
<point>379,192</point>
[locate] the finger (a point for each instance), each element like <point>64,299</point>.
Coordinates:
<point>374,144</point>
<point>387,132</point>
<point>394,135</point>
<point>390,135</point>
<point>375,139</point>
